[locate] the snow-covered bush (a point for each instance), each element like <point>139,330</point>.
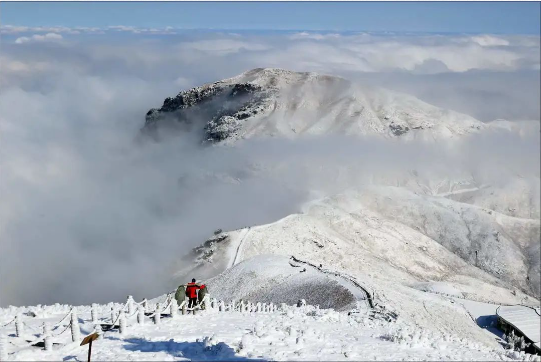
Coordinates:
<point>400,335</point>
<point>515,342</point>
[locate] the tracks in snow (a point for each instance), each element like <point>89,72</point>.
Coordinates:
<point>377,310</point>
<point>235,258</point>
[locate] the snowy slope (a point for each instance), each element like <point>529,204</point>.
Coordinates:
<point>414,253</point>
<point>520,197</point>
<point>275,102</point>
<point>389,233</point>
<point>305,333</point>
<point>278,279</point>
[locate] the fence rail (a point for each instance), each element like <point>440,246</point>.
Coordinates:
<point>46,337</point>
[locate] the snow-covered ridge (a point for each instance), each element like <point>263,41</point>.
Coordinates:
<point>392,235</point>
<point>267,102</point>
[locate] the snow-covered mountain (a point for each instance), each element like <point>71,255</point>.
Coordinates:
<point>389,236</point>
<point>429,260</point>
<point>275,102</point>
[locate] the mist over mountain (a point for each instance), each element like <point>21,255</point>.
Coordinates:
<point>267,129</point>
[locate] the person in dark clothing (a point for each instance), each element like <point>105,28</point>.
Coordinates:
<point>191,293</point>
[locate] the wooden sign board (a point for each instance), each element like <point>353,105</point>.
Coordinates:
<point>89,338</point>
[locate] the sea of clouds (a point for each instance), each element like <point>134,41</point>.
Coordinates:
<point>88,213</point>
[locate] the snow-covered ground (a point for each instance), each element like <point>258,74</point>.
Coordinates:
<point>295,333</point>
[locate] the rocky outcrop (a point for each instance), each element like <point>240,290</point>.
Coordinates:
<point>219,108</point>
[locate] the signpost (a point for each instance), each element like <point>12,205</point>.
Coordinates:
<point>88,340</point>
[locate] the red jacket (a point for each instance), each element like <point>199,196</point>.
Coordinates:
<point>191,289</point>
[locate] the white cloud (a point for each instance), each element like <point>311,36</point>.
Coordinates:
<point>222,46</point>
<point>39,38</point>
<point>139,30</point>
<point>489,41</point>
<point>314,36</point>
<point>11,29</point>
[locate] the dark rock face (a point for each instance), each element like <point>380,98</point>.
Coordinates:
<point>218,109</point>
<point>205,251</point>
<point>398,130</point>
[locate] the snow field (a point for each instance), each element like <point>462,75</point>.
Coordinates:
<point>295,333</point>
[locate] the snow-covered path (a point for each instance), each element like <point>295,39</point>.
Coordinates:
<point>238,250</point>
<point>361,293</point>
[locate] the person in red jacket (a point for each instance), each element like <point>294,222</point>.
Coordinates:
<point>191,293</point>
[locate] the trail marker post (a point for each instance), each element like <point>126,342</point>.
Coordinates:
<point>88,340</point>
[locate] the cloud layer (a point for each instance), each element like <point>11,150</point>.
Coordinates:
<point>80,195</point>
<point>486,76</point>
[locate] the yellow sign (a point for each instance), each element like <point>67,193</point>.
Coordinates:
<point>89,338</point>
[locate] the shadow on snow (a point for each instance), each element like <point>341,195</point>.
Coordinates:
<point>190,350</point>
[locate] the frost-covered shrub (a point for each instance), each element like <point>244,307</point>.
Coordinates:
<point>400,335</point>
<point>515,342</point>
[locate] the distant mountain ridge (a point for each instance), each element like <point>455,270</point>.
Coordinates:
<point>267,102</point>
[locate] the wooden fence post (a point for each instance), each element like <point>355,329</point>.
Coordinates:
<point>122,322</point>
<point>75,331</point>
<point>145,304</point>
<point>131,305</point>
<point>113,315</point>
<point>174,308</point>
<point>141,315</point>
<point>19,325</point>
<point>48,340</point>
<point>157,314</point>
<point>94,313</point>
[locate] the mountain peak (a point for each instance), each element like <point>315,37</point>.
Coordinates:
<point>266,102</point>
